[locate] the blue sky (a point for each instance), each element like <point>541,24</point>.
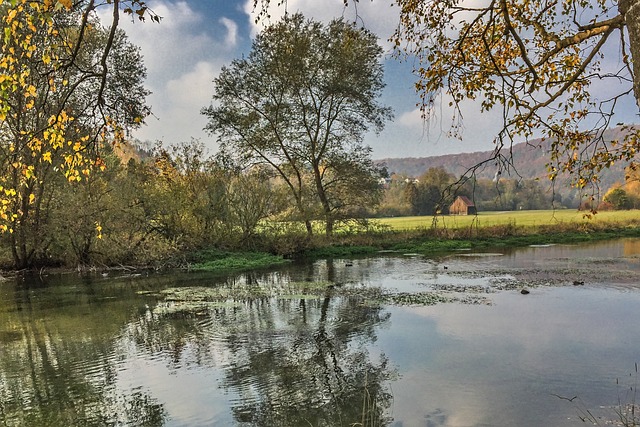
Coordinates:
<point>195,38</point>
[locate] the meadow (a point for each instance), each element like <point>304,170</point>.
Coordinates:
<point>520,219</point>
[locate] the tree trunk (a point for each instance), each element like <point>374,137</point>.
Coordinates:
<point>329,225</point>
<point>630,9</point>
<point>324,200</point>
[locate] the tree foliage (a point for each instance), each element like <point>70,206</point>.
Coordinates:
<point>618,199</point>
<point>558,69</point>
<point>429,194</point>
<point>301,102</point>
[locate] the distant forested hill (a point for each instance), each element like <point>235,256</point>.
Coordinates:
<point>529,161</point>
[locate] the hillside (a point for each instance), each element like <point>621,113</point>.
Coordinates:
<point>529,162</point>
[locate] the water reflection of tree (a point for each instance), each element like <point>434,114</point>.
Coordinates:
<point>288,361</point>
<point>318,373</point>
<point>302,361</point>
<point>285,360</point>
<point>57,359</point>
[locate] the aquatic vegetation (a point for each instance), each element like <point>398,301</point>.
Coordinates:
<point>419,298</point>
<point>196,298</point>
<point>625,413</point>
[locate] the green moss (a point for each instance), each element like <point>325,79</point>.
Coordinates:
<point>225,262</point>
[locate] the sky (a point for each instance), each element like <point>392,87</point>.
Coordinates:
<point>195,38</point>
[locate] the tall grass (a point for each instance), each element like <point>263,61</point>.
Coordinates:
<point>626,412</point>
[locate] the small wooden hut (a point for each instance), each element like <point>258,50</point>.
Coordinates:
<point>462,206</point>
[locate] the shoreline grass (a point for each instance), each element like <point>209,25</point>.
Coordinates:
<point>213,260</point>
<point>429,235</point>
<point>425,235</point>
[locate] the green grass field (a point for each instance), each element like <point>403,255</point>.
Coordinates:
<point>513,218</point>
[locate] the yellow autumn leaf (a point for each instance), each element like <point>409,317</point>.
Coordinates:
<point>32,197</point>
<point>66,3</point>
<point>11,15</point>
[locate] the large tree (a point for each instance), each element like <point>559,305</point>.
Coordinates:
<point>301,102</point>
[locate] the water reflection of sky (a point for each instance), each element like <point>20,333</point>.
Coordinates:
<point>185,393</point>
<point>501,365</point>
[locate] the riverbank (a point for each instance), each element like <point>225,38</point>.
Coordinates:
<point>425,241</point>
<point>440,240</point>
<point>422,235</point>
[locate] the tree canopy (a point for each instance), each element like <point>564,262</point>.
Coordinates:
<point>65,86</point>
<point>68,85</point>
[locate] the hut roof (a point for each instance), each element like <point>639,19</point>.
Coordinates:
<point>466,200</point>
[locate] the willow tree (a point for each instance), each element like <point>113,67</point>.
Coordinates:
<point>301,102</point>
<point>67,85</point>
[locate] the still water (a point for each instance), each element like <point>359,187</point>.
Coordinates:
<point>393,340</point>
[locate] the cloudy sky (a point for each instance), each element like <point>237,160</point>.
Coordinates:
<point>195,38</point>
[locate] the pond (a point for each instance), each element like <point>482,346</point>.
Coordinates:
<point>538,336</point>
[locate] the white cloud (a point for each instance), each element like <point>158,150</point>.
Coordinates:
<point>183,54</point>
<point>171,47</point>
<point>177,107</point>
<point>411,119</point>
<point>232,31</point>
<point>193,87</point>
<point>411,136</point>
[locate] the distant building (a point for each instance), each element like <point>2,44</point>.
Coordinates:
<point>462,206</point>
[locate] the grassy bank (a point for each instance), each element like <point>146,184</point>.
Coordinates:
<point>429,234</point>
<point>432,235</point>
<point>425,235</point>
<point>224,262</point>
